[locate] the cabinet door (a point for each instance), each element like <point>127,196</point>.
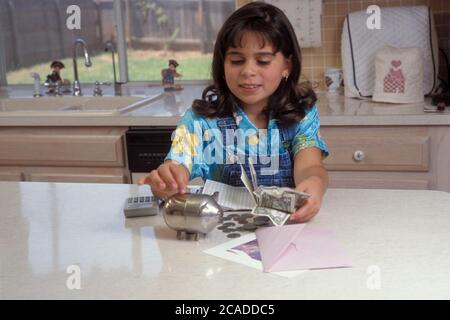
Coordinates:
<point>379,157</point>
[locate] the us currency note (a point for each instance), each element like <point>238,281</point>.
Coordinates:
<point>253,174</point>
<point>271,201</point>
<point>285,199</point>
<point>247,183</point>
<point>277,217</point>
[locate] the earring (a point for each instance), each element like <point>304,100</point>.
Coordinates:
<point>286,76</point>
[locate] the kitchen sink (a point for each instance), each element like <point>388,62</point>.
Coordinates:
<point>77,106</point>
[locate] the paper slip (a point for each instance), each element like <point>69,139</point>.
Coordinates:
<point>235,198</point>
<point>300,247</point>
<point>244,250</point>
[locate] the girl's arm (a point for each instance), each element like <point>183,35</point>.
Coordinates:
<point>310,176</point>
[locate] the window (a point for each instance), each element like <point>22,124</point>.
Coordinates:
<point>35,33</point>
<point>184,30</point>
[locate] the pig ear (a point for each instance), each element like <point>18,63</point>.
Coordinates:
<point>215,195</point>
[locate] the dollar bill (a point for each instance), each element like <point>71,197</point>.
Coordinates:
<point>285,199</point>
<point>253,174</point>
<point>277,217</point>
<point>271,201</point>
<point>247,183</point>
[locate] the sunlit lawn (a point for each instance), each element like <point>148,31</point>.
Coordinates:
<point>143,65</point>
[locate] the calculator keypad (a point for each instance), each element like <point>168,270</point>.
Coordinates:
<point>141,206</point>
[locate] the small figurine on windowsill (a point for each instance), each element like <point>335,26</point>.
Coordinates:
<point>54,78</point>
<point>56,67</point>
<point>168,76</point>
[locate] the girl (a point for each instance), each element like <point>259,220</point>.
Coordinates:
<point>256,68</point>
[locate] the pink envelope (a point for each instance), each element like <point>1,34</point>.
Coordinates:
<point>299,247</point>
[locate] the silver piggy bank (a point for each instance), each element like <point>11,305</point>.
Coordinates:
<point>192,215</point>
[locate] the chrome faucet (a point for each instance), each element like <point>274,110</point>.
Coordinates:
<point>98,89</point>
<point>87,63</point>
<point>109,46</point>
<point>37,84</point>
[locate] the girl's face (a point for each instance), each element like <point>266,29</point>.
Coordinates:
<point>252,72</point>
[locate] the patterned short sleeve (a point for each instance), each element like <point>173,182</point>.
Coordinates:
<point>307,134</point>
<point>187,144</point>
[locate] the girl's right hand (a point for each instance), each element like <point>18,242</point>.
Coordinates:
<point>170,178</point>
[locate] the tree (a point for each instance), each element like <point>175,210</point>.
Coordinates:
<point>146,7</point>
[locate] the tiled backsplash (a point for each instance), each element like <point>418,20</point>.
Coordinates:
<point>316,60</point>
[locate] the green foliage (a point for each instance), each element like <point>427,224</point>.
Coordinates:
<point>146,7</point>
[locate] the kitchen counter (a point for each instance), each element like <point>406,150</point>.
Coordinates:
<point>398,236</point>
<point>334,110</point>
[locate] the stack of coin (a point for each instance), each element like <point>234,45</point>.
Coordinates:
<point>235,224</point>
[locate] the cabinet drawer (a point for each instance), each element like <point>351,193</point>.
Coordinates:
<point>377,149</point>
<point>77,147</point>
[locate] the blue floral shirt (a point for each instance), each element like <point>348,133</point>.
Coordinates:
<point>196,138</point>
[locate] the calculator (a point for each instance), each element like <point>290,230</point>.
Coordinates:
<point>140,206</point>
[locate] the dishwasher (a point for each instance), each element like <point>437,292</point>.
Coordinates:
<point>146,148</point>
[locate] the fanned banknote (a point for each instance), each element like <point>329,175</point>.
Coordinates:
<point>274,202</point>
<point>277,217</point>
<point>284,199</point>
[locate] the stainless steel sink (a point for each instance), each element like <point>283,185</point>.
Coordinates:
<point>73,106</point>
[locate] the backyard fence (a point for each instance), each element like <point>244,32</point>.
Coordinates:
<point>35,31</point>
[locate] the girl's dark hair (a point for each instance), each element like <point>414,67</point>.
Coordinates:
<point>289,101</point>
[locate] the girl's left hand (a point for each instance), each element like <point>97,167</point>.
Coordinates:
<point>313,186</point>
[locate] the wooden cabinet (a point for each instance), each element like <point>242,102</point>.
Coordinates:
<point>390,157</point>
<point>377,149</point>
<point>57,154</point>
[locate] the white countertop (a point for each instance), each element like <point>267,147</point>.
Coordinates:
<point>334,110</point>
<point>46,227</point>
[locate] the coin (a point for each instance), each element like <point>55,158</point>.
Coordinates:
<point>246,216</point>
<point>249,227</point>
<point>243,221</point>
<point>228,224</point>
<point>233,235</point>
<point>226,218</point>
<point>233,215</point>
<point>226,230</point>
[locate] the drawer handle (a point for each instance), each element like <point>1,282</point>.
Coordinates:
<point>358,155</point>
